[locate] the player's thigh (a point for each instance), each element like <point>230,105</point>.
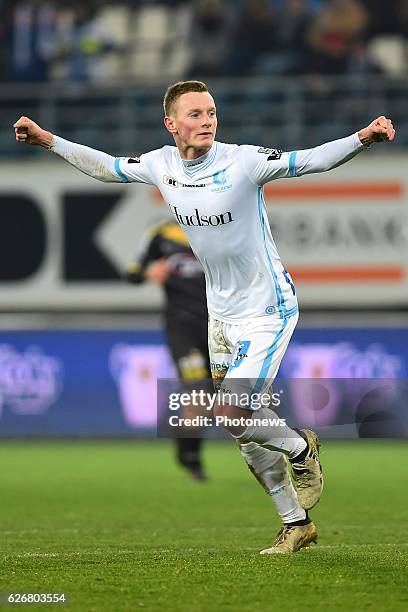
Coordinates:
<point>220,351</point>
<point>258,352</point>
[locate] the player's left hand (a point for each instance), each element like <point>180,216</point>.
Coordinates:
<point>380,129</point>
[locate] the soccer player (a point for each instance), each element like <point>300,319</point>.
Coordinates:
<point>165,258</point>
<point>214,191</point>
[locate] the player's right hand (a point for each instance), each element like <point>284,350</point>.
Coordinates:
<point>29,132</point>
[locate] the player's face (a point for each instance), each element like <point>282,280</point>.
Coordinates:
<point>194,121</point>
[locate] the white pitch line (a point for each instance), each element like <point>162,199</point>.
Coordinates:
<point>195,530</point>
<point>22,532</point>
<point>93,553</point>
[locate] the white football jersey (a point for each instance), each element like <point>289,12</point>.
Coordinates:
<point>218,201</point>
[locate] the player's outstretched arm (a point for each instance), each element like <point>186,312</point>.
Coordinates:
<point>94,163</point>
<point>263,165</point>
<point>333,154</point>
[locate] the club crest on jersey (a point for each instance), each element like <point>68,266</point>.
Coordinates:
<point>221,181</point>
<point>271,153</point>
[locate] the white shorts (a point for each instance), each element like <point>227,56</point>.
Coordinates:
<point>245,357</point>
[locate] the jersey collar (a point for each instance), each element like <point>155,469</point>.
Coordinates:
<point>195,166</point>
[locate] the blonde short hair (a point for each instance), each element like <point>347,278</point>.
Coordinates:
<point>174,92</point>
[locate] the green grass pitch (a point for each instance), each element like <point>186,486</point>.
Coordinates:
<point>118,526</point>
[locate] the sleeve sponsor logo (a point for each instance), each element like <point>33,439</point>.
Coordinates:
<point>271,153</point>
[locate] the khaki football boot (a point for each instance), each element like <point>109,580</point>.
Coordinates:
<point>291,539</point>
<point>307,474</point>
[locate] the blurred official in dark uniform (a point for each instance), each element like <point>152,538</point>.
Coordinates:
<point>167,259</point>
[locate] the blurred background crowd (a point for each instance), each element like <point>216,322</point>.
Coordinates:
<point>98,40</point>
<point>307,70</point>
